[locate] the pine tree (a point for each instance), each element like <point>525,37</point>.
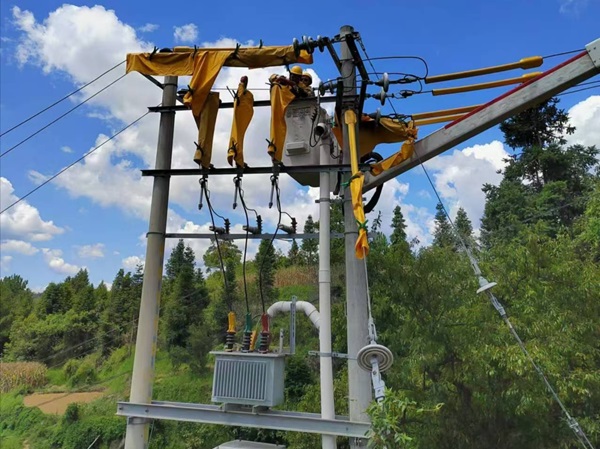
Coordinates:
<point>294,254</point>
<point>443,234</point>
<point>398,227</point>
<point>464,228</point>
<point>266,262</point>
<point>310,247</point>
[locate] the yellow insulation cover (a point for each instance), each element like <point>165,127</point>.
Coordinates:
<point>243,110</point>
<point>281,97</point>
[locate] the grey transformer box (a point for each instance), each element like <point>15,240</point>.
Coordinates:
<point>309,132</point>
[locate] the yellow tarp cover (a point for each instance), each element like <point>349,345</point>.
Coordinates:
<point>361,247</point>
<point>204,65</point>
<point>405,152</point>
<point>206,121</point>
<point>371,133</point>
<point>243,110</point>
<point>182,61</point>
<point>281,97</point>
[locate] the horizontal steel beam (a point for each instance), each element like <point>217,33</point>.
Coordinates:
<point>262,419</point>
<point>252,170</point>
<point>223,105</point>
<point>241,236</point>
<point>577,69</point>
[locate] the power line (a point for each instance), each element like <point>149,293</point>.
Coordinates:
<point>61,100</point>
<point>595,86</point>
<point>61,116</point>
<point>73,163</point>
<point>563,53</point>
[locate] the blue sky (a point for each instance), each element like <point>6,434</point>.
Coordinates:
<point>95,215</point>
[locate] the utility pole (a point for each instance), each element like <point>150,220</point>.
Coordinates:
<point>326,362</point>
<point>359,381</point>
<point>145,346</point>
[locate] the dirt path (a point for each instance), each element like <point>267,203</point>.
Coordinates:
<point>57,403</point>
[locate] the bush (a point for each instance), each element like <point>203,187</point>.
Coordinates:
<point>71,413</point>
<point>85,374</point>
<point>70,368</point>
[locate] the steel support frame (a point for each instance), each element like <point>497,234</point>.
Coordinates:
<point>252,170</point>
<point>242,236</point>
<point>250,417</point>
<point>571,72</point>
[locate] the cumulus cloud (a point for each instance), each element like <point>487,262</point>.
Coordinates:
<point>459,176</point>
<point>148,28</point>
<point>186,33</point>
<point>95,251</point>
<point>56,263</point>
<point>18,246</point>
<point>23,221</point>
<point>131,262</point>
<point>585,117</point>
<point>5,263</point>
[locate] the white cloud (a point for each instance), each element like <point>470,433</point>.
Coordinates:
<point>572,6</point>
<point>18,246</point>
<point>148,28</point>
<point>57,263</point>
<point>585,116</point>
<point>23,221</point>
<point>5,263</point>
<point>116,253</point>
<point>460,176</point>
<point>66,149</point>
<point>36,177</point>
<point>131,262</point>
<point>95,251</point>
<point>186,33</point>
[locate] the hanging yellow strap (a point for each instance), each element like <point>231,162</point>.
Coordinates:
<point>243,110</point>
<point>406,151</point>
<point>206,130</point>
<point>361,248</point>
<point>281,97</point>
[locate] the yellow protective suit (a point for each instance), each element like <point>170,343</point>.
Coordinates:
<point>361,247</point>
<point>205,121</point>
<point>243,110</point>
<point>281,97</point>
<point>371,134</point>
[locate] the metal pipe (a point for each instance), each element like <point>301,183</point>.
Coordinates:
<point>480,86</point>
<point>443,112</point>
<point>285,306</point>
<point>525,63</point>
<point>145,345</point>
<point>430,121</point>
<point>326,363</point>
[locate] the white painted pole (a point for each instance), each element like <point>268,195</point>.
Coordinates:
<point>327,403</point>
<point>145,345</point>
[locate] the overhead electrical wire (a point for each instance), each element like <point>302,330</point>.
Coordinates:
<point>595,86</point>
<point>61,116</point>
<point>572,422</point>
<point>61,100</point>
<point>73,163</point>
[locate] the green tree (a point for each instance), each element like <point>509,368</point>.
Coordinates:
<point>293,255</point>
<point>443,234</point>
<point>16,302</point>
<point>464,228</point>
<point>229,252</point>
<point>309,249</point>
<point>266,263</point>
<point>398,227</point>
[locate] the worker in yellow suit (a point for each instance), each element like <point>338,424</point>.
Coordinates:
<point>305,85</point>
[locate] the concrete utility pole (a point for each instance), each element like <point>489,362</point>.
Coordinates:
<point>326,363</point>
<point>145,347</point>
<point>359,381</point>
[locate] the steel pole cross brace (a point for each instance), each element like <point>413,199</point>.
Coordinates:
<point>264,419</point>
